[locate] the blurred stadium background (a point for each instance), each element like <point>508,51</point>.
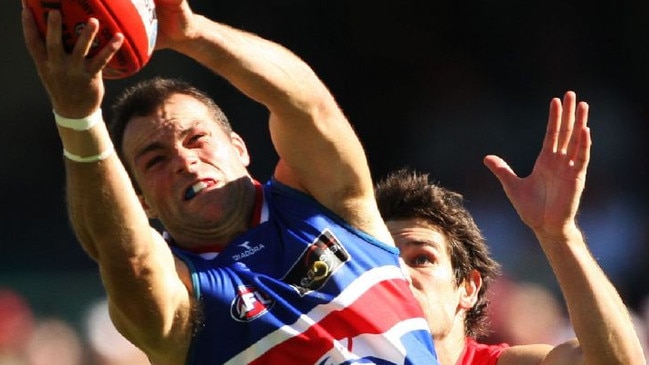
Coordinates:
<point>434,85</point>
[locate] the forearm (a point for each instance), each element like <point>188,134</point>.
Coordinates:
<point>598,314</point>
<point>149,302</point>
<point>96,191</point>
<point>108,219</point>
<point>263,70</point>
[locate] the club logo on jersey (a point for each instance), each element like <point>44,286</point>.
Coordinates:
<point>318,262</point>
<point>249,303</point>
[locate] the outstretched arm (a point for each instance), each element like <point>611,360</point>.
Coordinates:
<point>318,148</point>
<point>547,201</point>
<point>148,300</point>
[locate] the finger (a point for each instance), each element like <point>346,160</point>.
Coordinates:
<point>32,37</point>
<point>554,123</point>
<point>567,121</point>
<point>86,37</point>
<point>580,152</point>
<point>582,157</point>
<point>53,35</point>
<point>501,170</point>
<point>101,59</point>
<point>580,121</point>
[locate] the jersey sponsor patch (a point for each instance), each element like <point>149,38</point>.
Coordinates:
<point>318,262</point>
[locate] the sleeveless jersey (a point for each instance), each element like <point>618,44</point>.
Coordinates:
<point>304,287</point>
<point>480,354</point>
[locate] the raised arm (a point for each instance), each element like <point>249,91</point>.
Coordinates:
<point>547,201</point>
<point>319,151</point>
<point>148,301</point>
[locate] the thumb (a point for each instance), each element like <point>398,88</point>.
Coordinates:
<point>500,169</point>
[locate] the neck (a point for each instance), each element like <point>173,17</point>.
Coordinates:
<point>449,350</point>
<point>450,343</point>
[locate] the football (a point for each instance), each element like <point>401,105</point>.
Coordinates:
<point>135,19</point>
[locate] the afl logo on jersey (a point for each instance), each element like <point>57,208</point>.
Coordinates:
<point>249,303</point>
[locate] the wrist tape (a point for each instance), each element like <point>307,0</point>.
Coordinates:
<point>89,159</point>
<point>83,124</point>
<point>79,124</point>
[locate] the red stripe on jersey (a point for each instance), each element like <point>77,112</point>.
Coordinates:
<point>345,324</point>
<point>259,202</point>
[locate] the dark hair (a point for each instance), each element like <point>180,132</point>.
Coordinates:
<point>407,194</point>
<point>145,97</point>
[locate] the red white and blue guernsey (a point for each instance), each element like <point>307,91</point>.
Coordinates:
<point>304,287</point>
<point>476,353</point>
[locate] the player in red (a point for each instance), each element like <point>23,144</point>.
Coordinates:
<point>451,268</point>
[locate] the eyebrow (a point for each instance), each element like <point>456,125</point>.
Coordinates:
<point>427,243</point>
<point>148,148</point>
<point>153,146</point>
<point>423,243</point>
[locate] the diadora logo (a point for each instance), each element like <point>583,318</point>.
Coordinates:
<point>249,250</point>
<point>249,303</point>
<point>316,265</point>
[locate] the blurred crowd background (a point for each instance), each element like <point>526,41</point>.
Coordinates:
<point>433,85</point>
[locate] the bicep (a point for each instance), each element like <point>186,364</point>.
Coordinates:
<point>320,147</point>
<point>324,158</point>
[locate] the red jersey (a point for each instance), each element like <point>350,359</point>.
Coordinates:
<point>480,354</point>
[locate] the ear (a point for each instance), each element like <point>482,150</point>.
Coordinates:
<point>469,289</point>
<point>150,212</point>
<point>241,148</point>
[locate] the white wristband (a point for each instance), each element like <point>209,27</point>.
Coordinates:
<point>88,159</point>
<point>80,124</point>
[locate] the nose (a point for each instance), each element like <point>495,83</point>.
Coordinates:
<point>186,161</point>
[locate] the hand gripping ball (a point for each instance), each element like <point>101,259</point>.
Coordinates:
<point>135,19</point>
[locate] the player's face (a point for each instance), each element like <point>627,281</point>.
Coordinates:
<point>425,251</point>
<point>190,172</point>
